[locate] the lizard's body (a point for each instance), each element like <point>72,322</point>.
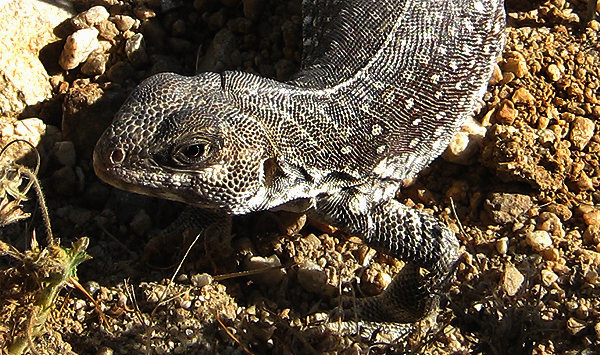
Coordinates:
<point>384,87</point>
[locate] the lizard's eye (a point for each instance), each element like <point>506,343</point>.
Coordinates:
<point>192,153</point>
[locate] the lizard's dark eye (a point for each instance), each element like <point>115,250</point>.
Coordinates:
<point>192,153</point>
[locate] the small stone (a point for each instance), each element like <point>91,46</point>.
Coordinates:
<point>108,30</point>
<point>105,350</point>
<point>95,65</point>
<point>512,280</point>
<point>548,277</point>
<point>562,211</point>
<point>506,207</point>
<point>135,50</point>
<point>553,72</point>
<point>549,222</point>
<point>78,47</point>
<point>517,66</point>
<point>79,216</point>
<point>91,17</point>
<point>123,22</point>
<point>312,277</point>
<point>201,280</point>
<point>597,330</point>
<point>64,181</point>
<point>502,246</point>
<point>290,223</point>
<point>496,75</point>
<point>373,281</point>
<point>120,72</point>
<point>575,326</point>
<point>582,183</point>
<point>143,13</point>
<point>141,223</point>
<point>272,272</point>
<point>582,130</point>
<point>64,152</point>
<point>507,113</point>
<point>465,144</point>
<point>592,218</point>
<point>538,240</point>
<point>522,96</point>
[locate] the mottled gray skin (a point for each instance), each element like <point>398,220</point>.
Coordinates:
<point>384,86</point>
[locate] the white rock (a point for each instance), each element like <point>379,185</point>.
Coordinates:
<point>26,27</point>
<point>465,143</point>
<point>538,240</point>
<point>91,17</point>
<point>78,47</point>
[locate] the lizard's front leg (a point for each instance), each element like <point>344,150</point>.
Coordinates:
<point>407,234</point>
<point>213,228</point>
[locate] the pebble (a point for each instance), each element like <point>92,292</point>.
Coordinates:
<point>523,96</point>
<point>512,280</point>
<point>548,277</point>
<point>562,211</point>
<point>143,13</point>
<point>507,113</point>
<point>78,47</point>
<point>575,326</point>
<point>94,16</point>
<point>267,277</point>
<point>108,30</point>
<point>64,181</point>
<point>507,207</point>
<point>539,240</point>
<point>517,66</point>
<point>140,223</point>
<point>120,72</point>
<point>496,75</point>
<point>64,152</point>
<point>135,49</point>
<point>592,218</point>
<point>549,222</point>
<point>95,64</point>
<point>312,277</point>
<point>465,144</point>
<point>582,130</point>
<point>123,22</point>
<point>502,246</point>
<point>201,280</point>
<point>553,72</point>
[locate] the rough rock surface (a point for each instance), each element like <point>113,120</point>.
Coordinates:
<point>27,26</point>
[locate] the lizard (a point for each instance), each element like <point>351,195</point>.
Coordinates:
<point>384,86</point>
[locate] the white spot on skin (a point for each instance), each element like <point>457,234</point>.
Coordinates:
<point>416,121</point>
<point>358,205</point>
<point>381,149</point>
<point>435,78</point>
<point>345,150</point>
<point>376,129</point>
<point>410,103</point>
<point>479,7</point>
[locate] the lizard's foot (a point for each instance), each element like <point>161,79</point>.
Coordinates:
<point>203,227</point>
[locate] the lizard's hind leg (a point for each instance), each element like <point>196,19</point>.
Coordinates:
<point>404,233</point>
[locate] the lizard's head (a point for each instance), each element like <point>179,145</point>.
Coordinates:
<point>180,138</point>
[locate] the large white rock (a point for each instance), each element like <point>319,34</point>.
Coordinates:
<point>26,27</point>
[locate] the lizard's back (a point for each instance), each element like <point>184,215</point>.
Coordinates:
<point>384,85</point>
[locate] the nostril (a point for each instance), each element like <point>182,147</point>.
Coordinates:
<point>117,156</point>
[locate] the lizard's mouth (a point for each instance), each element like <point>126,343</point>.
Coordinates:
<point>109,167</point>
